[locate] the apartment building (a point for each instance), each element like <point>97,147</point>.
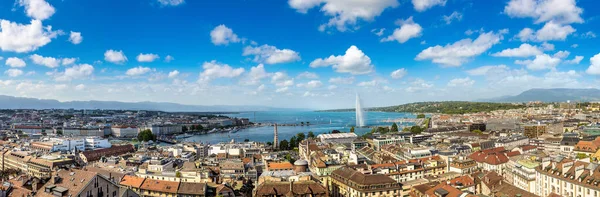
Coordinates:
<point>347,182</point>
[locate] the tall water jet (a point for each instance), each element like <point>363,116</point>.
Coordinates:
<point>360,114</point>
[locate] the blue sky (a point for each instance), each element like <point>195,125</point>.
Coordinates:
<point>298,53</point>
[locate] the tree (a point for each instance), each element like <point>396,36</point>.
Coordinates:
<point>310,134</point>
<point>566,130</point>
<point>307,123</point>
<point>178,174</point>
<point>59,132</point>
<point>269,143</point>
<point>284,145</point>
<point>289,158</point>
<point>477,131</point>
<point>146,135</point>
<point>336,131</point>
<point>184,128</point>
<point>416,129</point>
<point>394,127</point>
<point>293,142</point>
<point>421,116</point>
<point>302,123</point>
<point>351,129</point>
<point>246,140</point>
<point>300,137</point>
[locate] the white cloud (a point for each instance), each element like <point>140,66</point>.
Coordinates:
<point>588,34</point>
<point>68,61</point>
<point>408,29</point>
<point>281,79</point>
<point>398,74</point>
<point>354,62</point>
<point>222,35</point>
<point>271,55</point>
<point>561,54</point>
<point>594,68</point>
<point>256,74</point>
<point>49,62</point>
<point>331,87</point>
<point>484,70</point>
<point>540,62</point>
<point>368,83</point>
<point>173,74</point>
<point>171,2</point>
<point>80,87</point>
<point>169,58</point>
<point>422,5</point>
<point>525,50</point>
<point>75,37</point>
<point>418,85</point>
<point>561,11</point>
<point>136,71</point>
<point>15,62</point>
<point>550,31</point>
<point>214,70</point>
<point>76,72</point>
<point>342,80</point>
<point>574,45</point>
<point>23,38</point>
<point>344,13</point>
<point>575,60</point>
<point>117,57</point>
<point>461,82</point>
<point>307,75</point>
<point>457,53</point>
<point>37,9</point>
<point>147,57</point>
<point>311,84</point>
<point>547,46</point>
<point>455,16</point>
<point>283,89</point>
<point>378,32</point>
<point>13,72</point>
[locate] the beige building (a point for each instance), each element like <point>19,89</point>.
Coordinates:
<point>347,182</point>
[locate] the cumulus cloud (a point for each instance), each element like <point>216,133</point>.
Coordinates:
<point>408,29</point>
<point>550,31</point>
<point>540,62</point>
<point>136,71</point>
<point>354,62</point>
<point>214,70</point>
<point>68,61</point>
<point>398,74</point>
<point>575,60</point>
<point>255,76</point>
<point>342,80</point>
<point>169,58</point>
<point>173,74</point>
<point>307,75</point>
<point>13,72</point>
<point>171,2</point>
<point>461,82</point>
<point>560,11</point>
<point>281,79</point>
<point>75,37</point>
<point>76,72</point>
<point>457,53</point>
<point>344,13</point>
<point>37,9</point>
<point>49,62</point>
<point>378,32</point>
<point>311,84</point>
<point>418,85</point>
<point>368,83</point>
<point>525,50</point>
<point>561,54</point>
<point>147,57</point>
<point>484,70</point>
<point>23,38</point>
<point>594,68</point>
<point>422,5</point>
<point>455,16</point>
<point>114,56</point>
<point>271,55</point>
<point>222,35</point>
<point>15,62</point>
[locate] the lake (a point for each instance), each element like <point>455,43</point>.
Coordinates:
<point>320,122</point>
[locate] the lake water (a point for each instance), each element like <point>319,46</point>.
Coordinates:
<point>320,122</point>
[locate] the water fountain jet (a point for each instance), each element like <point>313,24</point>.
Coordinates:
<point>360,114</point>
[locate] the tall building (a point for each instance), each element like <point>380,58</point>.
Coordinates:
<point>275,138</point>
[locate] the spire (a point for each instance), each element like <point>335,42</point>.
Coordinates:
<point>275,138</point>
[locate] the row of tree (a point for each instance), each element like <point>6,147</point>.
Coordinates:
<point>294,141</point>
<point>146,135</point>
<point>192,128</point>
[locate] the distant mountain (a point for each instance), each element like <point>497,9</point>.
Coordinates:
<point>11,102</point>
<point>552,95</point>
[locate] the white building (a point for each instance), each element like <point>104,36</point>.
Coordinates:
<point>96,142</point>
<point>74,132</point>
<point>523,174</point>
<point>125,131</point>
<point>511,142</point>
<point>566,177</point>
<point>166,129</point>
<point>60,144</point>
<point>384,140</point>
<point>337,138</point>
